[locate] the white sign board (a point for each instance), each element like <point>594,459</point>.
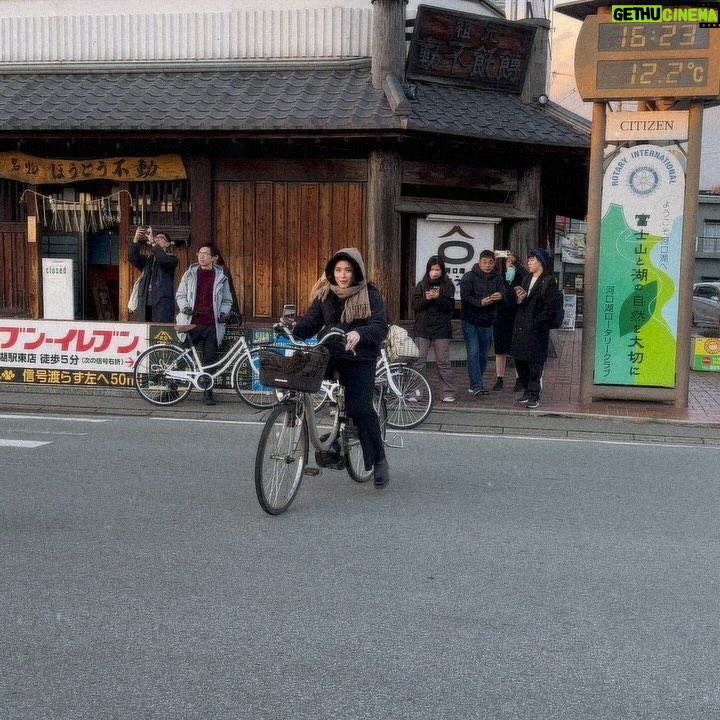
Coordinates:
<point>458,240</point>
<point>58,298</point>
<point>624,126</point>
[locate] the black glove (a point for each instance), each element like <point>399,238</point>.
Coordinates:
<point>187,311</point>
<point>223,318</point>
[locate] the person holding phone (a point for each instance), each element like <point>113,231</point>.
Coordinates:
<point>482,290</point>
<point>155,291</point>
<point>434,302</point>
<point>343,298</point>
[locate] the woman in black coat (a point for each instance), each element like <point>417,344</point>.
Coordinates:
<point>342,298</point>
<point>537,297</point>
<point>503,328</point>
<point>434,302</point>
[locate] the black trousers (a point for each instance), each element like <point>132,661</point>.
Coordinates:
<point>205,337</point>
<point>530,375</point>
<point>359,381</point>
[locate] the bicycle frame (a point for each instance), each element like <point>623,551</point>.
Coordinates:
<point>237,352</point>
<point>329,387</point>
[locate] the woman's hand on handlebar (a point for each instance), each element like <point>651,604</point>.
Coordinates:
<point>351,340</point>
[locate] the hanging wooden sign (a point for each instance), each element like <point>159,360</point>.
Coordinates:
<point>471,50</point>
<point>52,171</point>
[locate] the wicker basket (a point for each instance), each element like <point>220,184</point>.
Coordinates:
<point>302,370</point>
<point>400,346</point>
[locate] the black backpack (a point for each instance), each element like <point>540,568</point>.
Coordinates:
<point>558,314</point>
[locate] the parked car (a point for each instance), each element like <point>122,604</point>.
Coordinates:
<point>706,308</point>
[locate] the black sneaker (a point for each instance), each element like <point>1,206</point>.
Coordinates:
<point>480,391</point>
<point>532,403</point>
<point>499,384</point>
<point>208,398</point>
<point>524,399</point>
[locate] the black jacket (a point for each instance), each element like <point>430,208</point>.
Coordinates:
<point>476,285</point>
<point>433,317</point>
<point>158,271</point>
<point>322,316</point>
<point>531,331</point>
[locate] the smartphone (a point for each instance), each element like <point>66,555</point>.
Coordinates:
<point>288,314</point>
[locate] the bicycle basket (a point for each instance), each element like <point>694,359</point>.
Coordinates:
<point>302,370</point>
<point>400,346</point>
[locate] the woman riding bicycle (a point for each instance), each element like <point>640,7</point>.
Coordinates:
<point>343,298</point>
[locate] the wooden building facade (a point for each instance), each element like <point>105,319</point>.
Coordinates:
<point>283,161</point>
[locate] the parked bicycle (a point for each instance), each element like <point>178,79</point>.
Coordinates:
<point>166,373</point>
<point>282,454</point>
<point>408,395</point>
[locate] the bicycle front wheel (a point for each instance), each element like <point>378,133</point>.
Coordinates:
<point>151,379</point>
<point>281,458</point>
<point>354,459</point>
<point>247,383</point>
<point>411,405</point>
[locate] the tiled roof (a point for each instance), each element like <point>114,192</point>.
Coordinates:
<point>490,115</point>
<point>180,100</point>
<point>242,100</point>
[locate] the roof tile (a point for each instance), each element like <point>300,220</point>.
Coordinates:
<point>281,99</point>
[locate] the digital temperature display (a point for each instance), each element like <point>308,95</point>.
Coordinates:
<point>636,61</point>
<point>667,75</point>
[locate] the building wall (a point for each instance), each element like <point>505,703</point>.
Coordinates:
<point>39,31</point>
<point>707,254</point>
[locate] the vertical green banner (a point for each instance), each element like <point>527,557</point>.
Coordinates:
<point>639,267</point>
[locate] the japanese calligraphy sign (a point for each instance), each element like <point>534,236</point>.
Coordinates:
<point>470,50</point>
<point>44,171</point>
<point>457,240</point>
<point>82,354</point>
<point>639,267</point>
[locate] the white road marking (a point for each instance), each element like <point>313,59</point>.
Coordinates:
<point>54,417</point>
<point>24,443</point>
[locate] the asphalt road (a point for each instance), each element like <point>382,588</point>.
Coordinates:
<point>497,577</point>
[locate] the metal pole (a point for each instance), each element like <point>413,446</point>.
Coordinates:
<point>687,258</point>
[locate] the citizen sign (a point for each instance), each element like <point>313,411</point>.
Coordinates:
<point>672,125</point>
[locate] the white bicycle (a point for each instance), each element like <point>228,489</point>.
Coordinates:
<point>408,396</point>
<point>166,373</point>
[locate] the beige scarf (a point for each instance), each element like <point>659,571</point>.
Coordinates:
<point>356,302</point>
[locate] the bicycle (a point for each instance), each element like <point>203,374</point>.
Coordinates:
<point>408,395</point>
<point>283,449</point>
<point>166,373</point>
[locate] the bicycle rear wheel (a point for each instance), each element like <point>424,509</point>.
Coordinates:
<point>412,405</point>
<point>354,460</point>
<point>247,383</point>
<point>281,458</point>
<point>150,373</point>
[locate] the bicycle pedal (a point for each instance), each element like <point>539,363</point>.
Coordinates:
<point>311,471</point>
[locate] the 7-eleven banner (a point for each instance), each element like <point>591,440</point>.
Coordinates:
<point>639,267</point>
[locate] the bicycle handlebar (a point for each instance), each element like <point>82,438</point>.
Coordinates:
<point>282,329</point>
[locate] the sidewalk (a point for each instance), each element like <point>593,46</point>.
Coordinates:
<point>561,391</point>
<point>560,413</point>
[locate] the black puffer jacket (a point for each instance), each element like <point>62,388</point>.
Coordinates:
<point>476,285</point>
<point>324,315</point>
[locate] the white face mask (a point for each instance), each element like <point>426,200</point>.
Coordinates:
<point>509,274</point>
<point>434,274</point>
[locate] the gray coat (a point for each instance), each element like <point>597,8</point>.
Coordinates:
<point>222,298</point>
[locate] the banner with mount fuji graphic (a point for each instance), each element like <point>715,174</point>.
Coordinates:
<point>639,267</point>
